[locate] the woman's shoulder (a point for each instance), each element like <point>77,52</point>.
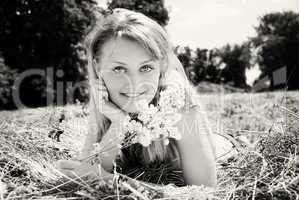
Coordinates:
<point>190,111</point>
<point>188,115</point>
<point>193,117</point>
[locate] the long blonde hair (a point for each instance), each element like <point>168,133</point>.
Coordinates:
<point>149,34</point>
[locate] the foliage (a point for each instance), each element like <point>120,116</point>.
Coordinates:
<point>7,77</point>
<point>224,65</point>
<point>49,30</point>
<point>275,46</point>
<point>154,8</point>
<point>50,37</point>
<point>184,56</point>
<point>236,59</point>
<point>200,65</point>
<point>277,43</point>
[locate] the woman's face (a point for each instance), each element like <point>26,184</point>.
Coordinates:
<point>129,73</point>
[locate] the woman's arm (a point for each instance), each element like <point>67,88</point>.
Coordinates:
<point>92,132</point>
<point>196,149</point>
<point>81,165</point>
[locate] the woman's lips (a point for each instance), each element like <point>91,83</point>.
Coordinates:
<point>132,95</point>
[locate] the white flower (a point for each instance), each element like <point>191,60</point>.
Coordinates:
<point>157,122</point>
<point>144,137</point>
<point>96,148</point>
<point>166,141</point>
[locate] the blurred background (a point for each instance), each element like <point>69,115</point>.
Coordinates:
<point>224,46</point>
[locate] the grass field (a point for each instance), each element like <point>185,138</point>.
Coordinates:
<point>256,137</point>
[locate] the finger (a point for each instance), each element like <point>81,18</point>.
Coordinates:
<point>75,168</point>
<point>76,173</point>
<point>106,107</point>
<point>69,173</point>
<point>67,164</point>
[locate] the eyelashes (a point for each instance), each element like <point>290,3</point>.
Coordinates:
<point>148,67</point>
<point>119,69</point>
<point>144,68</point>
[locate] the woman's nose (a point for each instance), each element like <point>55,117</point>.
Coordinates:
<point>135,83</point>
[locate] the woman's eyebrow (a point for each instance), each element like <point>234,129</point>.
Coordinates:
<point>147,61</point>
<point>122,63</point>
<point>119,62</point>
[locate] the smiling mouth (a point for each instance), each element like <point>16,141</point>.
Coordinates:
<point>132,95</point>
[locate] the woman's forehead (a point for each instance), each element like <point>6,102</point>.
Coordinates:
<point>125,50</point>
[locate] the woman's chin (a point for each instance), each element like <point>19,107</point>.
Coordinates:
<point>131,109</point>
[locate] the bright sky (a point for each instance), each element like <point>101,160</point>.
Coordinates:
<point>214,23</point>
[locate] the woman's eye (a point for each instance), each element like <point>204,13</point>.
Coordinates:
<point>119,69</point>
<point>146,68</point>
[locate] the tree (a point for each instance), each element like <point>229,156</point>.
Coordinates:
<point>43,34</point>
<point>152,8</point>
<point>213,66</point>
<point>7,77</point>
<point>235,59</point>
<point>200,65</point>
<point>277,40</point>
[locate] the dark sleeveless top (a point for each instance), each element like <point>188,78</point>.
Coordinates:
<point>163,172</point>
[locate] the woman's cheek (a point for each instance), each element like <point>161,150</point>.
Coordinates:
<point>114,83</point>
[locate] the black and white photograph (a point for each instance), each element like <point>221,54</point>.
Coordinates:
<point>149,100</point>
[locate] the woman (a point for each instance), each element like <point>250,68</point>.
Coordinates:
<point>130,58</point>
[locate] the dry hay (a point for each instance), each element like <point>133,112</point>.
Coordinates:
<point>267,170</point>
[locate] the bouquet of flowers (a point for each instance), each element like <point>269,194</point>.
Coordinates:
<point>155,122</point>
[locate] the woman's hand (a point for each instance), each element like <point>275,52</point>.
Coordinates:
<point>110,147</point>
<point>107,107</point>
<point>75,169</point>
<point>109,142</point>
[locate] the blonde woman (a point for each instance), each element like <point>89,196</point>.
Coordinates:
<point>130,57</point>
